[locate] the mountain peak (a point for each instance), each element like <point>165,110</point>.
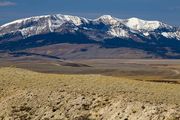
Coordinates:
<point>74,19</point>
<point>107,19</point>
<point>139,24</point>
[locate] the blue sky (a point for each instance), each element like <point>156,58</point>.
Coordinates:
<point>167,11</point>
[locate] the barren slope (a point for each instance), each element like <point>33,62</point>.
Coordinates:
<point>29,95</point>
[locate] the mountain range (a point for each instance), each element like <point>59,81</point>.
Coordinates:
<point>73,37</point>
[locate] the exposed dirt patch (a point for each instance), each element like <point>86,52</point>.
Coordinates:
<point>161,81</point>
<point>74,64</point>
<point>165,81</point>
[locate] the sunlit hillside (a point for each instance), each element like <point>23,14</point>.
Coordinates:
<point>30,95</point>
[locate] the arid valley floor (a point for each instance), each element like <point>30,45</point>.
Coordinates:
<point>96,89</point>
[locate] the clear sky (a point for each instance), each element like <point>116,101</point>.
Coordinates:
<point>167,11</point>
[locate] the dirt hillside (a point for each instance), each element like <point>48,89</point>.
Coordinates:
<point>27,95</point>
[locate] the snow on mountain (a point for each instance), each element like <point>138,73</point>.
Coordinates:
<point>118,32</point>
<point>60,18</point>
<point>138,24</point>
<point>108,19</point>
<point>171,34</point>
<point>40,24</point>
<point>114,27</point>
<point>146,34</point>
<point>143,25</point>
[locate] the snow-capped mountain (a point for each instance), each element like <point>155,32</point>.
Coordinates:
<point>106,31</point>
<point>113,27</point>
<point>40,24</point>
